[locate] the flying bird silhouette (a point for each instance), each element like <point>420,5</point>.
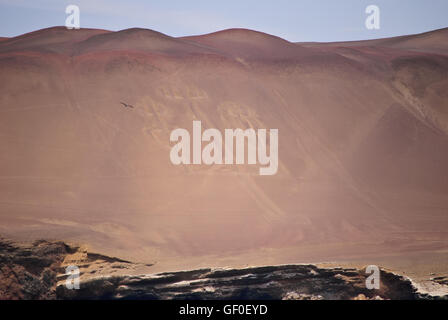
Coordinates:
<point>126,105</point>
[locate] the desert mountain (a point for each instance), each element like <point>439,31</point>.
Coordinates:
<point>432,41</point>
<point>363,145</point>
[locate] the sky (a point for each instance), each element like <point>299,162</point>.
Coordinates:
<point>293,20</point>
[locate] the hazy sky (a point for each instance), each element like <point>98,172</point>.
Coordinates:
<point>294,20</point>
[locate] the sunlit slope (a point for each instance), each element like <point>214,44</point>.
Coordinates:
<point>362,145</point>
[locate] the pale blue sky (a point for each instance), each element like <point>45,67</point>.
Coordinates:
<point>299,20</point>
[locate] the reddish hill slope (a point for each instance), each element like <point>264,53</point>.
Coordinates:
<point>433,41</point>
<point>363,146</point>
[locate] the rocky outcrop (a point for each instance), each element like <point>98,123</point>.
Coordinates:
<point>37,271</point>
<point>441,280</point>
<point>303,282</point>
<point>28,271</point>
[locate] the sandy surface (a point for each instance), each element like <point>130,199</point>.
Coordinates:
<point>363,147</point>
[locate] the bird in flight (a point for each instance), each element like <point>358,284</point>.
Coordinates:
<point>126,105</point>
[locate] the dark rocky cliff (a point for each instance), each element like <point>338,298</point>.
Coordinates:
<point>37,271</point>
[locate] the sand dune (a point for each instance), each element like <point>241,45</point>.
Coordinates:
<point>363,145</point>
